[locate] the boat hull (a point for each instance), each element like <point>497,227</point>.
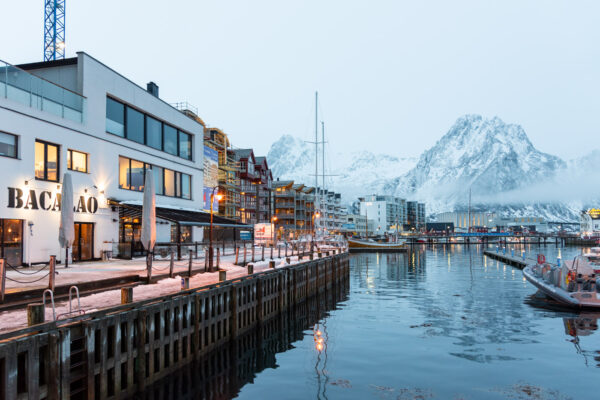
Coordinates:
<point>359,246</point>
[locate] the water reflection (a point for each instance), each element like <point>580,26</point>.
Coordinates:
<point>221,374</point>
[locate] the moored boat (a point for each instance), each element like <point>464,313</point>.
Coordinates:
<point>576,283</point>
<point>371,245</point>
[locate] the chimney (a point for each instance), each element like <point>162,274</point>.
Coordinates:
<point>152,88</point>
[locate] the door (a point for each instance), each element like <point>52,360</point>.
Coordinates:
<point>11,241</point>
<point>83,245</point>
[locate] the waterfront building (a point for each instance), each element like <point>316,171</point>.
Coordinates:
<point>256,181</point>
<point>331,211</point>
<point>589,221</point>
<point>228,173</point>
<point>460,220</point>
<point>389,213</point>
<point>264,202</point>
<point>294,208</point>
<point>79,116</point>
<point>357,225</point>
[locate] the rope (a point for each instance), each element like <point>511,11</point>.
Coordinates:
<point>160,269</point>
<point>24,283</point>
<point>27,273</point>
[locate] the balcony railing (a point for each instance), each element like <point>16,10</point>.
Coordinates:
<point>25,88</point>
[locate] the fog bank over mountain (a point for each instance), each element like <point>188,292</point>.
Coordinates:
<point>493,159</point>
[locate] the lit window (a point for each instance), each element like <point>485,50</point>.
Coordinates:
<point>115,117</point>
<point>77,161</point>
<point>8,145</point>
<point>46,161</point>
<point>124,173</point>
<point>169,183</point>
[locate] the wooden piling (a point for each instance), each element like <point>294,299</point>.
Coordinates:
<point>2,279</point>
<point>35,314</point>
<point>171,264</point>
<point>222,275</point>
<point>126,295</point>
<point>272,264</point>
<point>250,269</point>
<point>191,260</point>
<point>52,273</point>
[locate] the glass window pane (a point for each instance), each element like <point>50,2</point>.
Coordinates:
<point>137,175</point>
<point>169,182</point>
<point>8,145</point>
<point>135,125</point>
<point>170,134</point>
<point>185,145</point>
<point>115,117</point>
<point>52,163</point>
<point>39,160</point>
<point>12,241</point>
<point>69,159</point>
<point>77,161</point>
<point>158,179</point>
<point>153,133</point>
<point>124,173</point>
<point>177,184</point>
<point>186,183</point>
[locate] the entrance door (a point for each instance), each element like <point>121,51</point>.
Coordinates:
<point>83,245</point>
<point>11,241</point>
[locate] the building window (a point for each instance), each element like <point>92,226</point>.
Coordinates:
<point>132,174</point>
<point>185,145</point>
<point>170,140</point>
<point>154,133</point>
<point>135,125</point>
<point>8,145</point>
<point>46,161</point>
<point>115,117</point>
<point>77,161</point>
<point>127,122</point>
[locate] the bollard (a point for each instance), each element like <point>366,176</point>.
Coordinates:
<point>250,269</point>
<point>286,249</point>
<point>253,249</point>
<point>271,252</point>
<point>185,283</point>
<point>222,275</point>
<point>35,314</point>
<point>262,257</point>
<point>287,260</point>
<point>52,274</point>
<point>190,264</point>
<point>2,279</point>
<point>272,264</point>
<point>205,260</point>
<point>171,264</point>
<point>278,252</point>
<point>219,257</point>
<point>245,251</point>
<point>126,295</point>
<point>237,254</point>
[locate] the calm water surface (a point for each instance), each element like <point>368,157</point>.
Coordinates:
<point>438,323</point>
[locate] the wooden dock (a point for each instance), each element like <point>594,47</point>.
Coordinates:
<point>117,352</point>
<point>514,261</point>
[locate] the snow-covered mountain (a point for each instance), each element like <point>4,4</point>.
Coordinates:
<point>352,174</point>
<point>497,161</point>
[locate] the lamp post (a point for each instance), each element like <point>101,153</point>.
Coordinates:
<point>314,218</point>
<point>273,220</point>
<point>210,235</point>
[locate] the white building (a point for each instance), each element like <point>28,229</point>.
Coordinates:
<point>590,222</point>
<point>86,119</point>
<point>461,219</point>
<point>387,212</point>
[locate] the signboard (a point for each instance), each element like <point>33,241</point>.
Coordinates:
<point>263,233</point>
<point>245,235</point>
<point>211,177</point>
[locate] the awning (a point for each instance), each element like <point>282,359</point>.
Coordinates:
<point>181,217</point>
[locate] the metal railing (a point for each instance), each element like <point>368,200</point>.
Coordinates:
<point>30,90</point>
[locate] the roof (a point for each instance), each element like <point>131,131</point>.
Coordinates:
<point>182,217</point>
<point>48,64</point>
<point>244,153</point>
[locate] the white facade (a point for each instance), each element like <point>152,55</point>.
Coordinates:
<point>388,213</point>
<point>590,222</point>
<point>56,126</point>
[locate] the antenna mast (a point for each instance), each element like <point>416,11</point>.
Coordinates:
<point>54,30</point>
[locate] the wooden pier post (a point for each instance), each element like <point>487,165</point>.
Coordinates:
<point>250,269</point>
<point>35,314</point>
<point>219,257</point>
<point>52,274</point>
<point>245,251</point>
<point>191,259</point>
<point>171,264</point>
<point>126,295</point>
<point>262,258</point>
<point>237,254</point>
<point>272,264</point>
<point>2,279</point>
<point>222,275</point>
<point>253,249</point>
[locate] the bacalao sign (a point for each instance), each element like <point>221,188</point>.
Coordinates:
<point>47,201</point>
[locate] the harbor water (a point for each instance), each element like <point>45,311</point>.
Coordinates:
<point>440,322</point>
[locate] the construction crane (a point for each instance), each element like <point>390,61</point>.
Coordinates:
<point>54,30</point>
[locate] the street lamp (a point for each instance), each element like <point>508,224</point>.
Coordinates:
<point>273,220</point>
<point>218,196</point>
<point>315,216</point>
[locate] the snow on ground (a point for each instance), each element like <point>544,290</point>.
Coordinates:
<point>14,319</point>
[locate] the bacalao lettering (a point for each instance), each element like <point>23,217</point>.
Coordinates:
<point>30,200</point>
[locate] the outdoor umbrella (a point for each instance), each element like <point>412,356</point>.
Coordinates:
<point>66,233</point>
<point>148,235</point>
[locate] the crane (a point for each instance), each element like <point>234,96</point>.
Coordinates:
<point>54,29</point>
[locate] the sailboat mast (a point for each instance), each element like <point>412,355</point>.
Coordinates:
<point>323,159</point>
<point>316,157</point>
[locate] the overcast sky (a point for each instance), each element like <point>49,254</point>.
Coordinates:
<point>393,75</point>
